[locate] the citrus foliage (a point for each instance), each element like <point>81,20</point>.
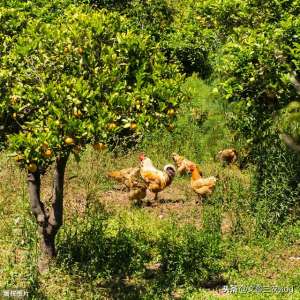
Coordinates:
<point>75,72</point>
<point>260,63</point>
<point>184,39</point>
<point>256,65</point>
<point>84,78</point>
<point>254,54</point>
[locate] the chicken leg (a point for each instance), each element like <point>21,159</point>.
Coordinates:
<point>199,200</point>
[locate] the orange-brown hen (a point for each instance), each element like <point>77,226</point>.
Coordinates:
<point>201,186</point>
<point>182,163</point>
<point>228,156</point>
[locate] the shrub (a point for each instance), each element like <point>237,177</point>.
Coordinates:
<point>189,256</point>
<point>93,249</point>
<point>255,65</point>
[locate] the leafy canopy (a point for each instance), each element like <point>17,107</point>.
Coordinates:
<point>84,78</point>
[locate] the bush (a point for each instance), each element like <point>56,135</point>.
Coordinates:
<point>255,65</point>
<point>276,186</point>
<point>190,41</point>
<point>104,246</point>
<point>95,250</point>
<point>154,17</point>
<point>189,49</point>
<point>189,256</point>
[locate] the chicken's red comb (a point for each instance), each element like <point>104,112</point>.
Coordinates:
<point>142,157</point>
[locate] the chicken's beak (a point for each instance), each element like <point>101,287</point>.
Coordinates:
<point>191,169</point>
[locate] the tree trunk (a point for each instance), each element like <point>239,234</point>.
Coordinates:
<point>48,222</point>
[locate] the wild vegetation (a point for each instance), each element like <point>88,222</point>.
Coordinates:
<point>87,85</point>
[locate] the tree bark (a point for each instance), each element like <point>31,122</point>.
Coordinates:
<point>48,222</point>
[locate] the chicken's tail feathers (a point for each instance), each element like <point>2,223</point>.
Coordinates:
<point>174,155</point>
<point>114,174</point>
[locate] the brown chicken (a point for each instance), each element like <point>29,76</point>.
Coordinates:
<point>182,163</point>
<point>125,176</point>
<point>155,179</point>
<point>137,195</point>
<point>132,180</point>
<point>228,156</point>
<point>201,186</point>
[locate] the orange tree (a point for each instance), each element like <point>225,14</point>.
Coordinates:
<point>258,69</point>
<point>84,78</point>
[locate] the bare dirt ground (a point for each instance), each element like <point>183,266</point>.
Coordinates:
<point>177,202</point>
<point>171,203</point>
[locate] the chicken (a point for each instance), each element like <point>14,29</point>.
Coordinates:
<point>201,186</point>
<point>138,193</point>
<point>182,163</point>
<point>155,179</point>
<point>125,176</point>
<point>132,180</point>
<point>228,156</point>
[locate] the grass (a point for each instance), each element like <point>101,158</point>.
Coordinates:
<point>109,249</point>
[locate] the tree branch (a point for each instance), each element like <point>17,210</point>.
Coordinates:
<point>48,223</point>
<point>37,207</point>
<point>56,213</point>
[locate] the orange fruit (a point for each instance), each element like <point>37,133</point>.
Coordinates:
<point>19,157</point>
<point>112,125</point>
<point>14,99</point>
<point>69,141</point>
<point>32,168</point>
<point>171,112</point>
<point>77,113</point>
<point>47,153</point>
<point>133,126</point>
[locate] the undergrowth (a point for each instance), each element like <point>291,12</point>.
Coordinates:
<point>109,249</point>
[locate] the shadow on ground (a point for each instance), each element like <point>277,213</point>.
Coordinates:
<point>131,263</point>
